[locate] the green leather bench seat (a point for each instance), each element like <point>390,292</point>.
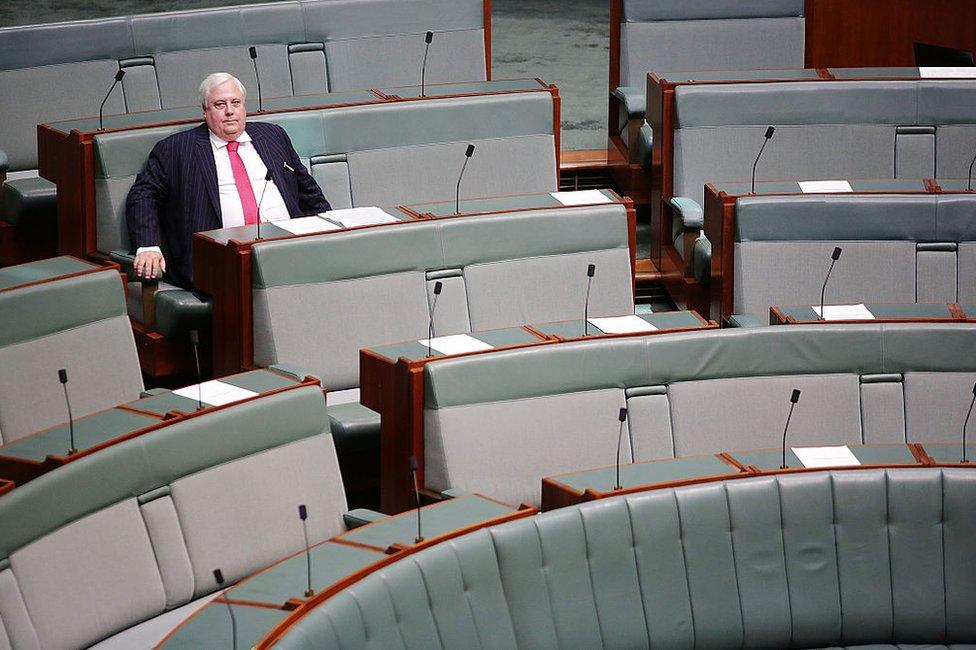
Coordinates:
<point>871,558</point>
<point>897,249</point>
<point>77,323</point>
<point>114,541</point>
<point>497,423</point>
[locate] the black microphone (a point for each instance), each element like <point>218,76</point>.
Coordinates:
<point>430,315</point>
<point>457,195</point>
<point>416,495</point>
<point>969,183</point>
<point>833,260</point>
<point>590,272</point>
<point>794,398</point>
<point>118,78</point>
<point>195,342</point>
<point>303,515</point>
<point>769,134</point>
<point>253,53</point>
<point>219,579</point>
<point>965,424</point>
<point>622,416</point>
<point>264,188</point>
<point>63,378</point>
<point>423,69</point>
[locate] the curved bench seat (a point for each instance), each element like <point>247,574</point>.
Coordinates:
<point>865,558</point>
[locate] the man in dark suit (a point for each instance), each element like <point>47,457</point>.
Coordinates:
<point>213,176</point>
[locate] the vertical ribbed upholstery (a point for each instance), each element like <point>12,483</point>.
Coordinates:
<point>804,560</point>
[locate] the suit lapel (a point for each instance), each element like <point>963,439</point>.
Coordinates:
<point>266,151</point>
<point>208,169</point>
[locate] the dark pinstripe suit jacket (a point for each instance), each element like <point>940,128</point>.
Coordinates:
<point>176,194</point>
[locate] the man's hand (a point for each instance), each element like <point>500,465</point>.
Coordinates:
<point>150,265</point>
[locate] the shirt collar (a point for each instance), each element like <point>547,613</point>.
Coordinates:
<point>218,143</point>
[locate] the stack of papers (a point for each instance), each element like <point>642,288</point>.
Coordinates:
<point>826,456</point>
<point>215,393</point>
<point>824,187</point>
<point>355,217</point>
<point>845,312</point>
<point>947,73</point>
<point>581,197</point>
<point>306,225</point>
<point>456,344</point>
<point>622,324</point>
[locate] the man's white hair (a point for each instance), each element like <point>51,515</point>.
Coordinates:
<point>214,80</point>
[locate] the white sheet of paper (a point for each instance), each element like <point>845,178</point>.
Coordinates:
<point>215,393</point>
<point>456,344</point>
<point>947,73</point>
<point>306,225</point>
<point>580,197</point>
<point>824,187</point>
<point>354,217</point>
<point>845,312</point>
<point>826,456</point>
<point>622,324</point>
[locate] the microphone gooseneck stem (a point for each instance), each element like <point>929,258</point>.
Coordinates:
<point>196,359</point>
<point>416,496</point>
<point>586,307</point>
<point>264,189</point>
<point>620,435</point>
<point>309,592</point>
<point>71,422</point>
<point>102,107</point>
<point>457,193</point>
<point>233,621</point>
<point>423,72</point>
<point>430,324</point>
<point>969,181</point>
<point>783,465</point>
<point>755,164</point>
<point>965,458</point>
<point>630,437</point>
<point>823,289</point>
<point>257,77</point>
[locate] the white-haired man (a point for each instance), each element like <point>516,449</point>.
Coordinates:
<point>213,176</point>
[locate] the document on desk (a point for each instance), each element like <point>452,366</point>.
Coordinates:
<point>456,344</point>
<point>581,197</point>
<point>622,324</point>
<point>947,73</point>
<point>215,393</point>
<point>840,456</point>
<point>844,312</point>
<point>824,187</point>
<point>306,225</point>
<point>355,217</point>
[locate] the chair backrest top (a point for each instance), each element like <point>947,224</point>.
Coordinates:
<point>635,11</point>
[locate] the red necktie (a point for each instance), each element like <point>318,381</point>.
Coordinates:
<point>243,182</point>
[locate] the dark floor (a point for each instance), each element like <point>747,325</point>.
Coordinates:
<point>564,42</point>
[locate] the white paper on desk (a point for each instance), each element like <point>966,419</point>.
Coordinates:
<point>215,393</point>
<point>845,312</point>
<point>456,344</point>
<point>580,197</point>
<point>622,324</point>
<point>354,217</point>
<point>824,187</point>
<point>826,456</point>
<point>306,225</point>
<point>947,73</point>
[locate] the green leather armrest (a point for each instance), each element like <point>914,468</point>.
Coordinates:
<point>703,260</point>
<point>127,261</point>
<point>633,99</point>
<point>689,213</point>
<point>744,320</point>
<point>361,517</point>
<point>292,371</point>
<point>645,145</point>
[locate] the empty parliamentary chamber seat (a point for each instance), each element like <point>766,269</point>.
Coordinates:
<point>896,249</point>
<point>498,423</point>
<point>372,286</point>
<point>60,71</point>
<point>119,546</point>
<point>62,313</point>
<point>858,558</point>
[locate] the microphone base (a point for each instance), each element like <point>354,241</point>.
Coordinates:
<point>309,593</point>
<point>418,539</point>
<point>73,451</point>
<point>618,487</point>
<point>784,466</point>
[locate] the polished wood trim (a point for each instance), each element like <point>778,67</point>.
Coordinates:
<point>6,486</point>
<point>487,28</point>
<point>58,278</point>
<point>583,159</point>
<point>616,17</point>
<point>556,123</point>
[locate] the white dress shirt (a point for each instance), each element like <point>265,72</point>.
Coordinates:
<point>271,207</point>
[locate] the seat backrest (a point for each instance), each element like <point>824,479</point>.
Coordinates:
<point>372,286</point>
<point>60,71</point>
<point>824,130</point>
<point>708,35</point>
<point>687,394</point>
<point>78,323</point>
<point>382,154</point>
<point>903,249</point>
<point>122,535</point>
<point>823,559</point>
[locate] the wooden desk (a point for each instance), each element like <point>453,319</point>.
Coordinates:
<point>883,313</point>
<point>269,601</point>
<point>222,264</point>
<point>26,458</point>
<point>578,487</point>
<point>391,380</point>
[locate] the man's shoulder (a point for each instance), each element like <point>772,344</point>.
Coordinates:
<point>265,129</point>
<point>184,136</point>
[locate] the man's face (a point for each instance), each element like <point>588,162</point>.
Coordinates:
<point>225,112</point>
